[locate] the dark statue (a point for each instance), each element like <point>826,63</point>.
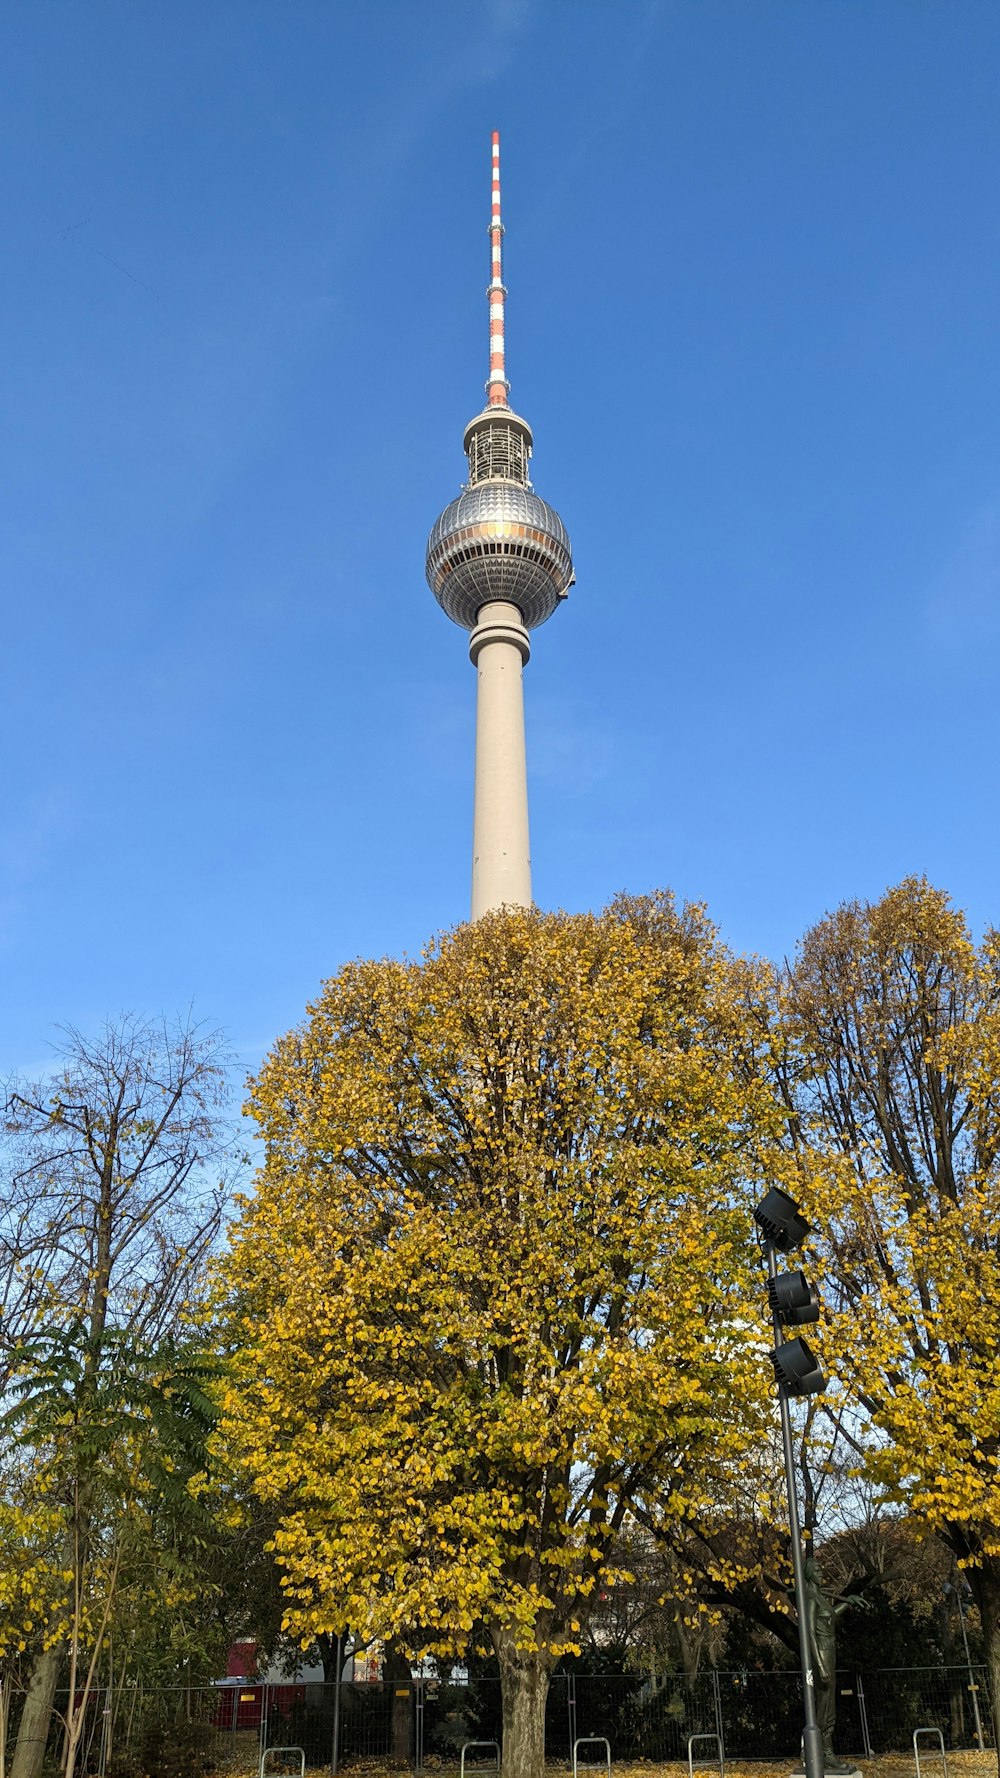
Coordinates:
<point>823,1608</point>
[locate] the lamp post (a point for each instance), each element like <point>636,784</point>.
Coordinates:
<point>793,1301</point>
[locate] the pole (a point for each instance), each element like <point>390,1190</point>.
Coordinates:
<point>717,1702</point>
<point>102,1757</point>
<point>863,1712</point>
<point>812,1740</point>
<point>973,1687</point>
<point>418,1727</point>
<point>335,1751</point>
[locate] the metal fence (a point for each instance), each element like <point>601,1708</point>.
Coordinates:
<point>174,1733</point>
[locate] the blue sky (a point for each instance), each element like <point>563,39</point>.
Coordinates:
<point>753,266</point>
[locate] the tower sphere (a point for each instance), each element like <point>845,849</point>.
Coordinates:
<point>498,540</point>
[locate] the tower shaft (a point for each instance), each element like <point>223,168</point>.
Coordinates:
<point>501,857</point>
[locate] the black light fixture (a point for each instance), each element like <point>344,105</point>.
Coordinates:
<point>793,1302</point>
<point>793,1299</point>
<point>796,1369</point>
<point>780,1220</point>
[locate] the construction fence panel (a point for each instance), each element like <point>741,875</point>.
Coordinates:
<point>901,1699</point>
<point>170,1732</point>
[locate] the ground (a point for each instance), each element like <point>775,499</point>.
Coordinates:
<point>890,1765</point>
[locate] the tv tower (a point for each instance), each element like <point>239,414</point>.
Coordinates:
<point>498,562</point>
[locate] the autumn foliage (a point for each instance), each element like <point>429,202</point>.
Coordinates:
<point>496,1277</point>
<point>489,1339</point>
<point>890,1071</point>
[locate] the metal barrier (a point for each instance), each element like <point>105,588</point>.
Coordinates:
<point>937,1733</point>
<point>592,1765</point>
<point>720,1757</point>
<point>757,1714</point>
<point>269,1750</point>
<point>479,1765</point>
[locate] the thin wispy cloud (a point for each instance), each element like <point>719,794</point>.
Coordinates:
<point>45,824</point>
<point>962,610</point>
<point>509,21</point>
<point>568,749</point>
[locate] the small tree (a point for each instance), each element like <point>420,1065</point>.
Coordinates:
<point>123,1439</point>
<point>889,1063</point>
<point>116,1170</point>
<point>496,1278</point>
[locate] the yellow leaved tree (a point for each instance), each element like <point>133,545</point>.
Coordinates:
<point>496,1279</point>
<point>890,1070</point>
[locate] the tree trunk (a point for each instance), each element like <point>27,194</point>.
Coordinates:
<point>524,1688</point>
<point>956,1708</point>
<point>985,1583</point>
<point>33,1731</point>
<point>397,1672</point>
<point>689,1646</point>
<point>333,1654</point>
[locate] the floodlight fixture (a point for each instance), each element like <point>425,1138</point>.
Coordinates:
<point>781,1220</point>
<point>793,1299</point>
<point>796,1368</point>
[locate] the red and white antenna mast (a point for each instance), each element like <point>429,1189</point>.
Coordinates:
<point>498,386</point>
